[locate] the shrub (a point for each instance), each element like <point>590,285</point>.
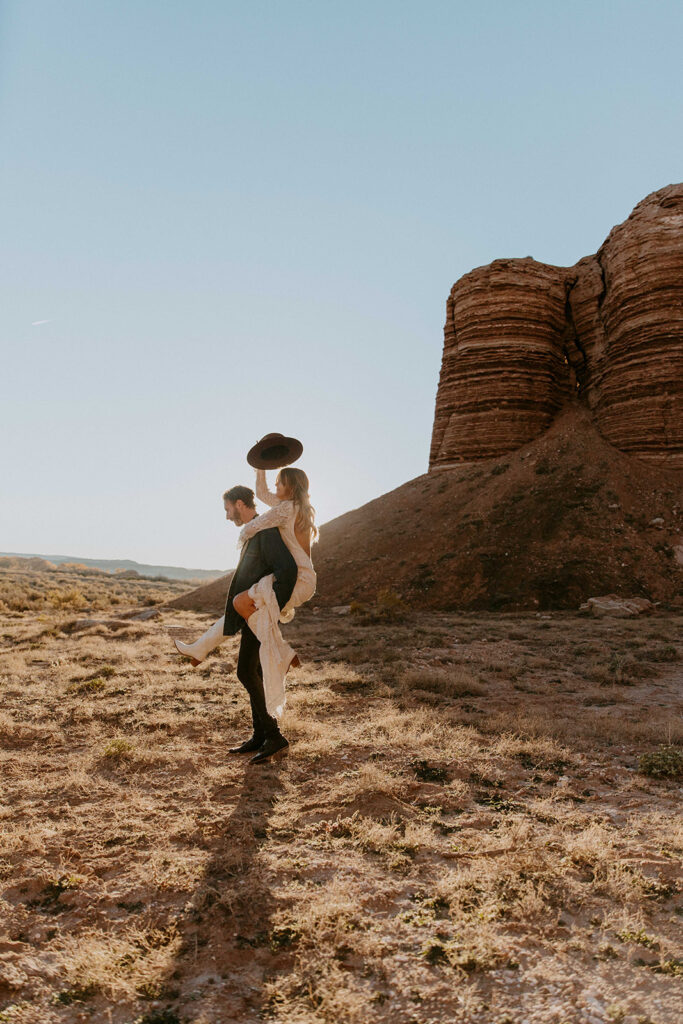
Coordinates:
<point>167,1016</point>
<point>118,750</point>
<point>663,652</point>
<point>426,772</point>
<point>77,994</point>
<point>453,682</point>
<point>86,686</point>
<point>664,763</point>
<point>70,597</point>
<point>390,605</point>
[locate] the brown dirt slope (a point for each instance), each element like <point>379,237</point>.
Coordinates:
<point>564,518</point>
<point>209,598</point>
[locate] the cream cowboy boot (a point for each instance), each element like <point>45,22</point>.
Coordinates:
<point>207,642</point>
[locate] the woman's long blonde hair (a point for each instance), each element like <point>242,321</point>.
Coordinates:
<point>297,480</point>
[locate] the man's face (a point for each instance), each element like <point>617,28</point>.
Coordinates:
<point>233,511</point>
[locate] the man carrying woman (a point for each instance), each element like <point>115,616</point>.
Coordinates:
<point>273,577</point>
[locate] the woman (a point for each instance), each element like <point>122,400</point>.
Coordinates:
<point>294,516</point>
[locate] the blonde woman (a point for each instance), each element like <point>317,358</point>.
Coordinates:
<point>294,516</point>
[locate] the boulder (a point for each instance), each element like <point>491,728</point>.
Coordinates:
<point>618,607</point>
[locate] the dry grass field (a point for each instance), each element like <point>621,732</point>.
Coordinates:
<point>27,585</point>
<point>477,821</point>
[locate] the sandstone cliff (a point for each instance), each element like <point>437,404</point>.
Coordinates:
<point>522,336</point>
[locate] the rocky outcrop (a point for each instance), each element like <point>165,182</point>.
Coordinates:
<point>636,366</point>
<point>503,375</point>
<point>522,336</point>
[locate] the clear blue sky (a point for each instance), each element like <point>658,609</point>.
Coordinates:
<point>245,217</point>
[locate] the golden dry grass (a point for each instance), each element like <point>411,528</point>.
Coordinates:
<point>459,833</point>
<point>71,587</point>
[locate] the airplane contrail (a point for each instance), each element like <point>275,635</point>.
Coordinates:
<point>37,323</point>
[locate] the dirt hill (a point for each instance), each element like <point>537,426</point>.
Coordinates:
<point>562,519</point>
<point>209,598</point>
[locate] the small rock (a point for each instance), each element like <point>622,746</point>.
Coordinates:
<point>619,607</point>
<point>658,522</point>
<point>11,976</point>
<point>341,609</point>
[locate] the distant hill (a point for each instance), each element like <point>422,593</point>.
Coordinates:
<point>171,572</point>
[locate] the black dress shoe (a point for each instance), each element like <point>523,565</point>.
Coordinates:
<point>273,745</point>
<point>248,747</point>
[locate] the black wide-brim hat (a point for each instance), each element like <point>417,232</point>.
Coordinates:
<point>274,451</point>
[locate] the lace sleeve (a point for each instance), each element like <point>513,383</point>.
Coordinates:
<point>276,516</point>
<point>262,492</point>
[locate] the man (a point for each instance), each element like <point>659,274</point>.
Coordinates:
<point>264,553</point>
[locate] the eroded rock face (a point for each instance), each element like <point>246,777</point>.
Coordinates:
<point>636,366</point>
<point>503,376</point>
<point>522,336</point>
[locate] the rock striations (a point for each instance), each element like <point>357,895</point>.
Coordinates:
<point>503,375</point>
<point>522,336</point>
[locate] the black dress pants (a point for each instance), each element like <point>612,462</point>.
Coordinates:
<point>250,675</point>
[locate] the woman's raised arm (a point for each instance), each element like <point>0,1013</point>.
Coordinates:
<point>262,492</point>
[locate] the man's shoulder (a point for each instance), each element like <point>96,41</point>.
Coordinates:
<point>263,537</point>
<point>270,535</point>
<point>268,531</point>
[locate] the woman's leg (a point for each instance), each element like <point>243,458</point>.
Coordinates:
<point>304,589</point>
<point>244,605</point>
<point>275,653</point>
<point>207,642</point>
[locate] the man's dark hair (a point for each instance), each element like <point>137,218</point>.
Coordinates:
<point>240,493</point>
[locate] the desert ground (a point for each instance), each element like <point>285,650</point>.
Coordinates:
<point>478,819</point>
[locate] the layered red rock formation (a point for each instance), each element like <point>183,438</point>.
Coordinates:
<point>636,366</point>
<point>503,376</point>
<point>521,336</point>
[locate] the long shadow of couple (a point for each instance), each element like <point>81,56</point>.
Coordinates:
<point>226,946</point>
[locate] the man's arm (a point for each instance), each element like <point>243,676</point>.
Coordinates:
<point>280,562</point>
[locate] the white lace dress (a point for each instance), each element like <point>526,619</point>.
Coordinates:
<point>275,653</point>
<point>283,515</point>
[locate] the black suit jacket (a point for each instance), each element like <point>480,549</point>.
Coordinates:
<point>264,553</point>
